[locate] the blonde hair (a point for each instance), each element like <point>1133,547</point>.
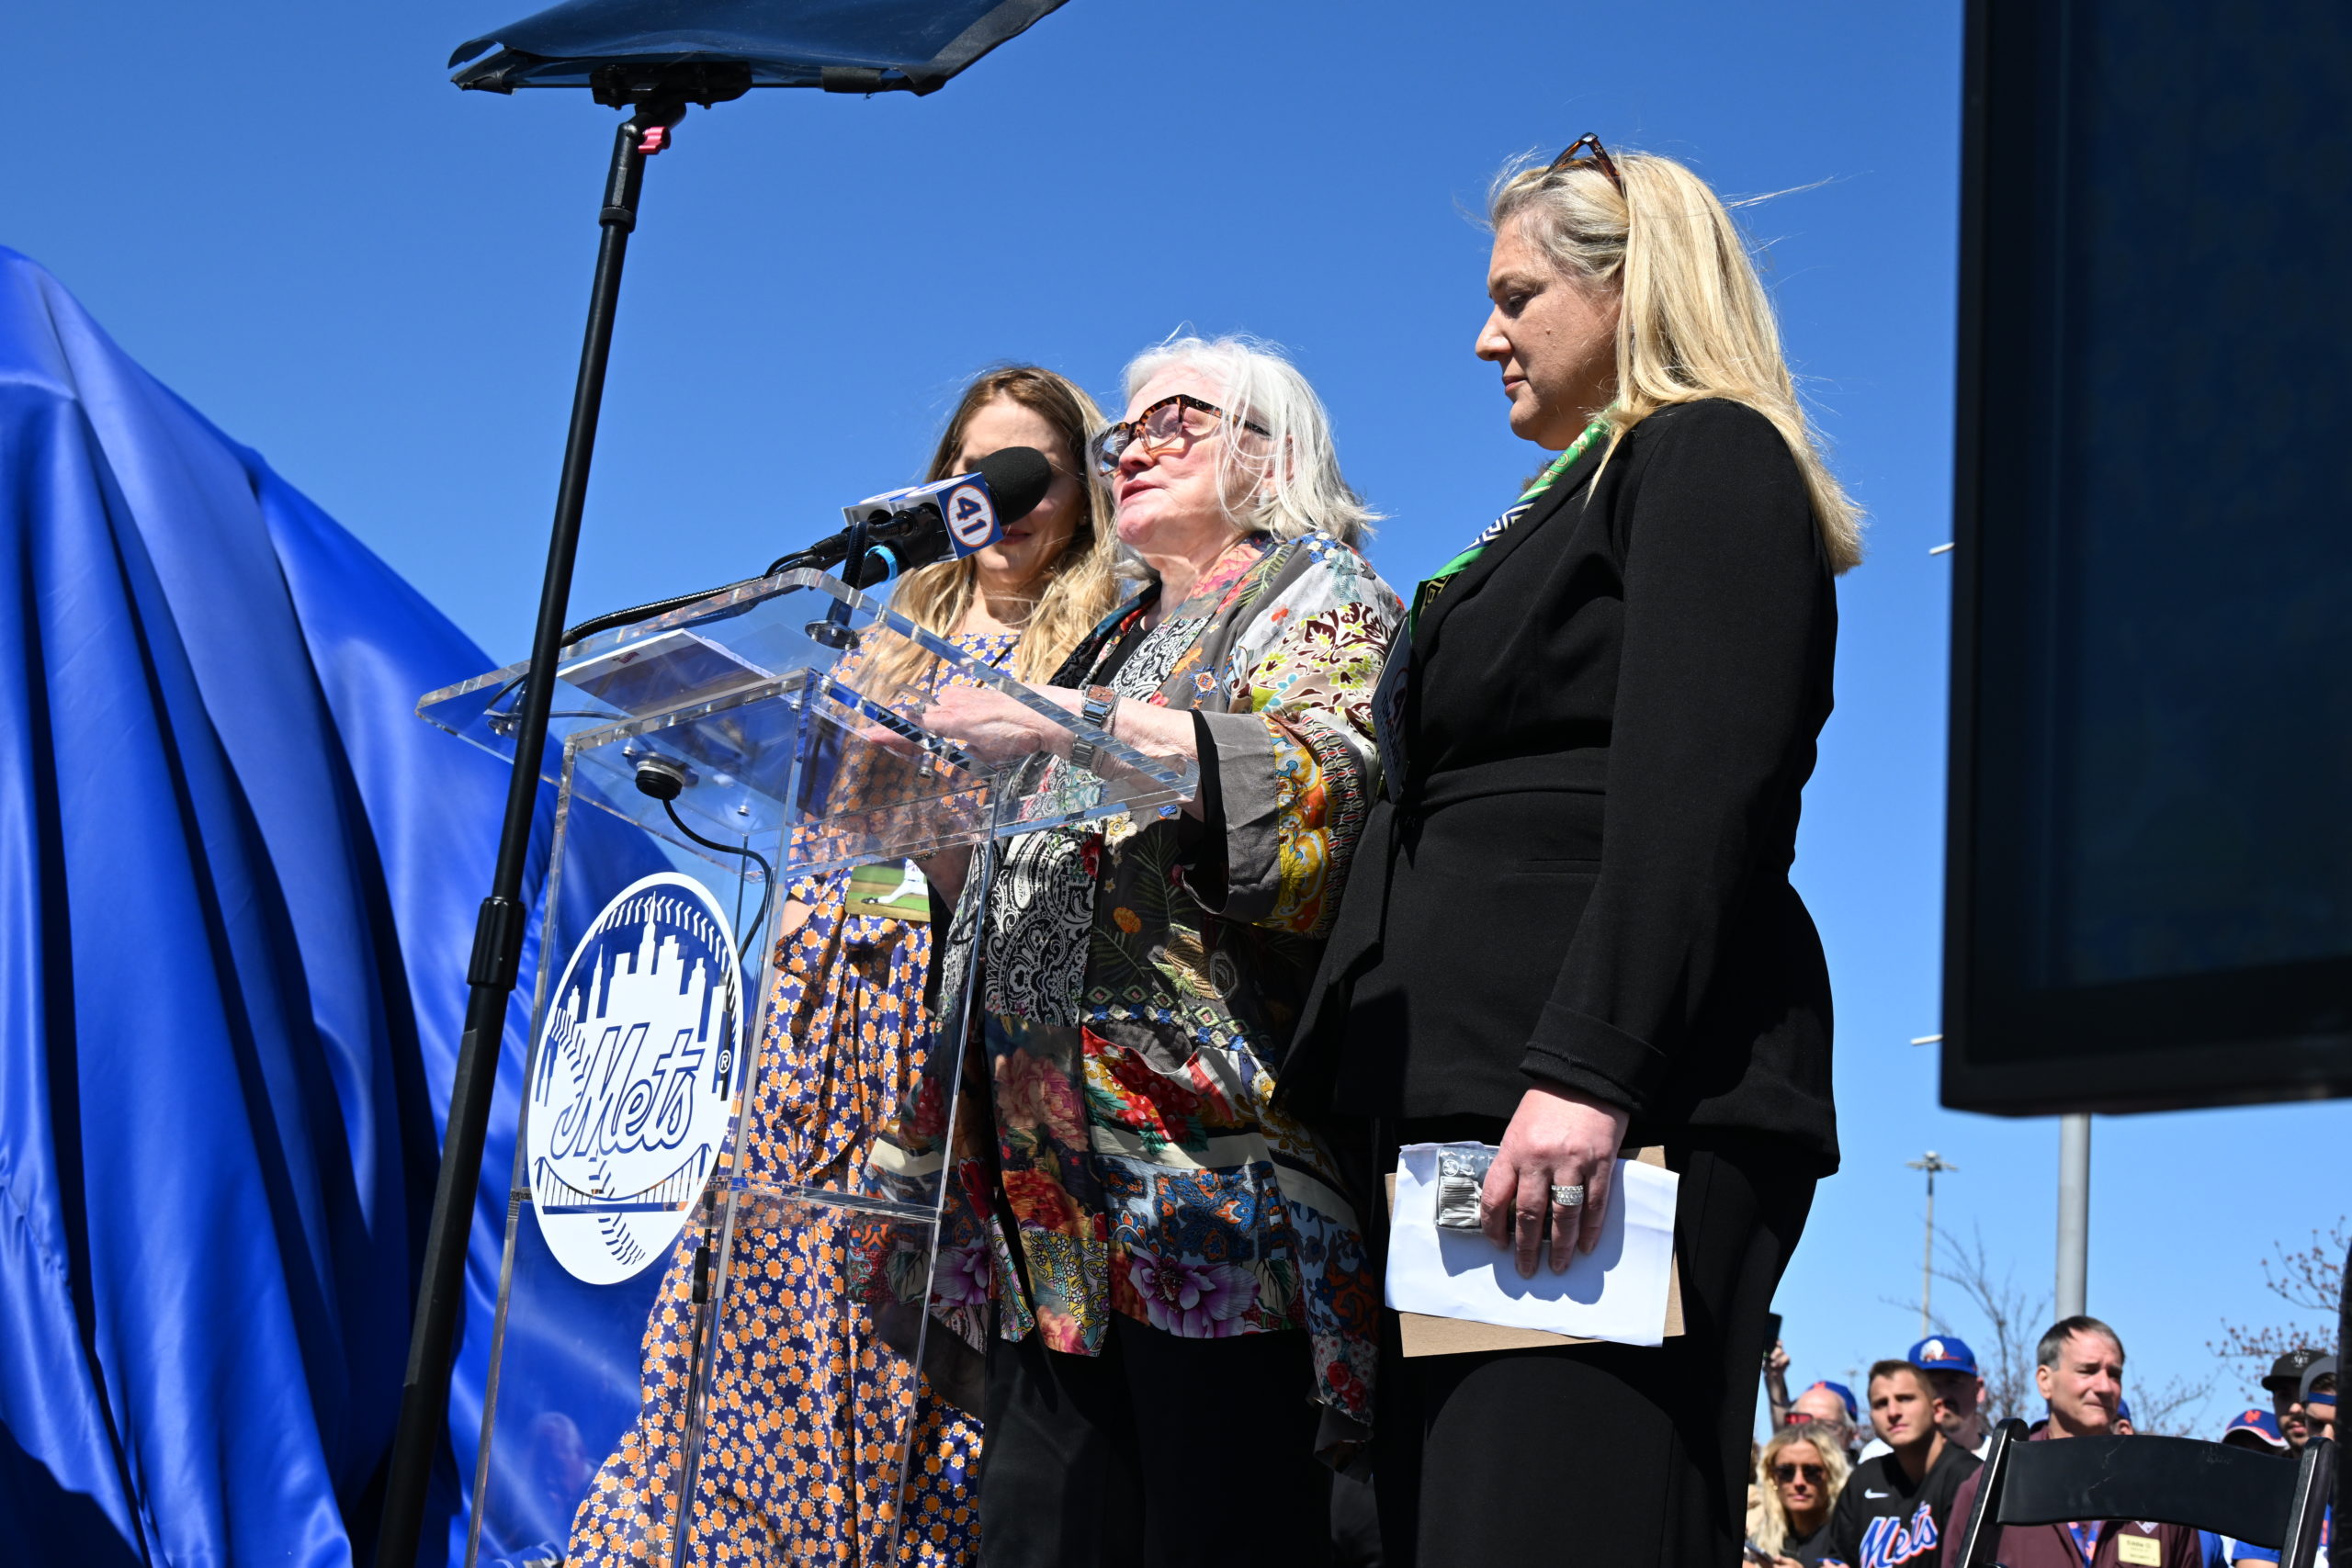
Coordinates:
<point>1693,320</point>
<point>1768,1521</point>
<point>1295,488</point>
<point>1077,589</point>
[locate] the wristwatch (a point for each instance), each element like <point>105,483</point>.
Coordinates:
<point>1095,711</point>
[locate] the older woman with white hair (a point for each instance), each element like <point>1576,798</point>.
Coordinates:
<point>1182,1288</point>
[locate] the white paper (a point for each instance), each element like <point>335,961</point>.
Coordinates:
<point>1617,1291</point>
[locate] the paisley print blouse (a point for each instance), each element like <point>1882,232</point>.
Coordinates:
<point>1137,981</point>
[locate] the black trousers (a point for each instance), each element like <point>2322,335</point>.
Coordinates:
<point>1603,1456</point>
<point>1162,1452</point>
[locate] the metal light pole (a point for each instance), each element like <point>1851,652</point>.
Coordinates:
<point>1932,1163</point>
<point>2074,1213</point>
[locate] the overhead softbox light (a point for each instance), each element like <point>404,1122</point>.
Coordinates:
<point>912,46</point>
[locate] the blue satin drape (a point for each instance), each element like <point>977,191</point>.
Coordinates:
<point>237,885</point>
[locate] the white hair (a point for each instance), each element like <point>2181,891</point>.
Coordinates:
<point>1299,490</point>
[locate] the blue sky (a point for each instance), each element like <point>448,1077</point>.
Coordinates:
<point>287,214</point>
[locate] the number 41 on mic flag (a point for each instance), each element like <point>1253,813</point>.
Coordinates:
<point>965,506</point>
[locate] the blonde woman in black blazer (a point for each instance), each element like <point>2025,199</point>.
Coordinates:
<point>1571,931</point>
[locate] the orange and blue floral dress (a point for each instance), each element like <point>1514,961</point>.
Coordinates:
<point>806,1401</point>
<point>1138,980</point>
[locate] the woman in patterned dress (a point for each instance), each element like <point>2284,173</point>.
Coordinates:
<point>1183,1309</point>
<point>790,1471</point>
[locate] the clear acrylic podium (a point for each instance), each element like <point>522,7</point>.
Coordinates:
<point>704,761</point>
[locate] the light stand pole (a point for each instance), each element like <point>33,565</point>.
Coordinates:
<point>2074,1213</point>
<point>1932,1163</point>
<point>498,930</point>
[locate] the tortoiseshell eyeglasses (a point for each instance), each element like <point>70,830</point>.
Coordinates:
<point>1160,427</point>
<point>1599,159</point>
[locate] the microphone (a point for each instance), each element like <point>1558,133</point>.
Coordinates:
<point>944,520</point>
<point>948,518</point>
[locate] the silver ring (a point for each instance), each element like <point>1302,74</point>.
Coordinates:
<point>1568,1197</point>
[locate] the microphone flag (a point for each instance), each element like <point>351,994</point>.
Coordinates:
<point>964,503</point>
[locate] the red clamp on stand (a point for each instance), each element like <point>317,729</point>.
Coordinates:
<point>641,135</point>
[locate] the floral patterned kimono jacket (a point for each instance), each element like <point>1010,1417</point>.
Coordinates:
<point>1137,979</point>
<point>792,1469</point>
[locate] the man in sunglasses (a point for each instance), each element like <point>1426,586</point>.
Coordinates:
<point>2285,1387</point>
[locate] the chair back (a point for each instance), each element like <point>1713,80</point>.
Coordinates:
<point>2267,1499</point>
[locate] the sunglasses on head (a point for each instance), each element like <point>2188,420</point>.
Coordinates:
<point>1576,154</point>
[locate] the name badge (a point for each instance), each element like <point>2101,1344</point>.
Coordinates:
<point>2140,1550</point>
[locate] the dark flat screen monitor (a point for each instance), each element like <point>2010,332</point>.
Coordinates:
<point>2149,862</point>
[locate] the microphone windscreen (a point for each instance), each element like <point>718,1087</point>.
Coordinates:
<point>1018,479</point>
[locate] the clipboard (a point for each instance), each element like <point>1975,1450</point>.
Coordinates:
<point>1422,1335</point>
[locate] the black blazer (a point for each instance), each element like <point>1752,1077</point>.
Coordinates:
<point>1579,871</point>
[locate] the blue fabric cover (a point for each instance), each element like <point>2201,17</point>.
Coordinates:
<point>237,886</point>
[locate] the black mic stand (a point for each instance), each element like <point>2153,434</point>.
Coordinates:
<point>659,96</point>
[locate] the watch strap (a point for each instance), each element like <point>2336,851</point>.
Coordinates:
<point>1095,710</point>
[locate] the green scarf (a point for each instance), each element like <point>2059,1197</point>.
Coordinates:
<point>1434,585</point>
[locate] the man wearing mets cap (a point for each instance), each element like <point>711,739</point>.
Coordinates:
<point>2255,1430</point>
<point>1831,1405</point>
<point>2316,1397</point>
<point>2285,1383</point>
<point>1951,1365</point>
<point>2259,1430</point>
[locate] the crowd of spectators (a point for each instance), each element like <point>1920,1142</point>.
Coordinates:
<point>1827,1494</point>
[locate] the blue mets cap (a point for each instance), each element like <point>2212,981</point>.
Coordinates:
<point>2124,1410</point>
<point>2261,1423</point>
<point>1943,1354</point>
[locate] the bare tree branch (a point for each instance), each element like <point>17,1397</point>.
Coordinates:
<point>2169,1408</point>
<point>2014,1316</point>
<point>2311,1281</point>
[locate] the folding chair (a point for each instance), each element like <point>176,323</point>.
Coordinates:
<point>2267,1499</point>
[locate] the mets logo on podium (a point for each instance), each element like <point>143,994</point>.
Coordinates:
<point>630,1085</point>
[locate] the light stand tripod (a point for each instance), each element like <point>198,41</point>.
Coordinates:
<point>658,96</point>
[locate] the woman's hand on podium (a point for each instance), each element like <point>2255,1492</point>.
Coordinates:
<point>994,728</point>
